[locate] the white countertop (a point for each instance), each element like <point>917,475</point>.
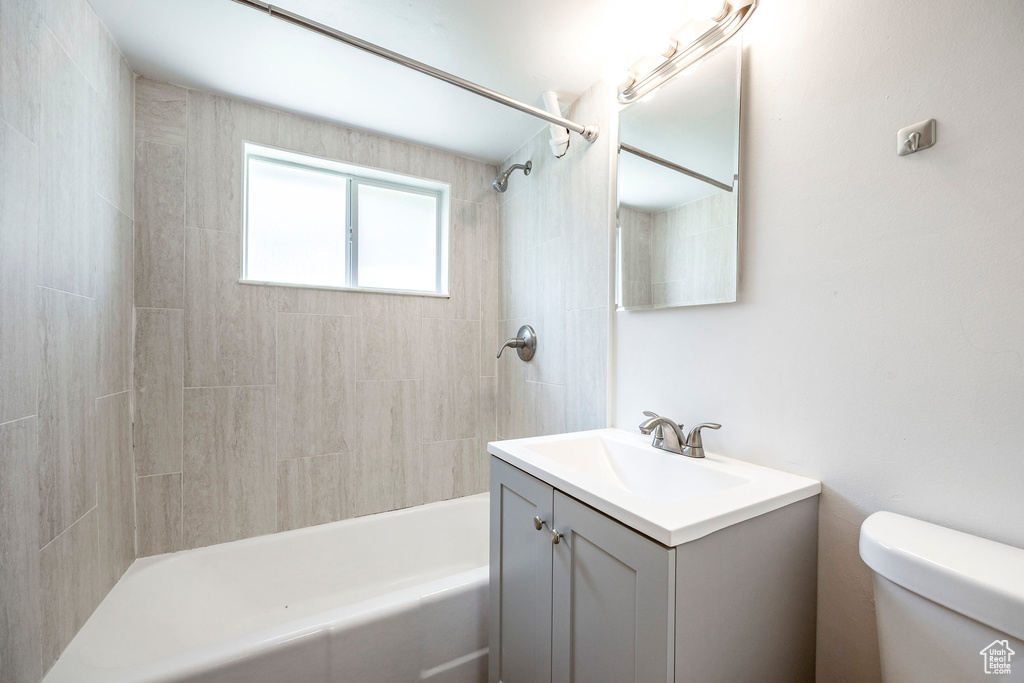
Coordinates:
<point>668,497</point>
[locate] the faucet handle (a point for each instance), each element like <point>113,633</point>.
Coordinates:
<point>693,440</point>
<point>644,429</point>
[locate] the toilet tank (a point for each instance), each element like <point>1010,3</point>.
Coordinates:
<point>950,606</point>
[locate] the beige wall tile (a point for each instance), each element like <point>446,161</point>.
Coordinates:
<point>488,220</point>
<point>512,215</point>
<point>322,301</point>
<point>158,514</point>
<point>216,128</point>
<point>114,299</point>
<point>390,345</point>
<point>123,98</point>
<point>111,124</point>
<point>230,474</point>
<point>19,216</point>
<point>115,488</point>
<point>69,571</point>
<point>80,34</point>
<point>386,464</point>
<point>20,618</point>
<point>488,414</point>
<point>512,390</point>
<point>546,414</point>
<point>67,389</point>
<point>20,33</point>
<point>159,226</point>
<point>465,266</point>
<point>490,285</point>
<point>545,291</point>
<point>348,366</point>
<point>159,368</point>
<point>555,259</point>
<point>66,182</point>
<point>229,327</point>
<point>159,112</point>
<point>450,469</point>
<point>450,380</point>
<point>312,490</point>
<point>587,369</point>
<point>316,385</point>
<point>67,175</point>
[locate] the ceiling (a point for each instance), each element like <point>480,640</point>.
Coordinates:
<point>517,47</point>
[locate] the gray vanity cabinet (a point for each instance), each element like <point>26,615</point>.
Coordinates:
<point>520,575</point>
<point>595,607</point>
<point>612,600</point>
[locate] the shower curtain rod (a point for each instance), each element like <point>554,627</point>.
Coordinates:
<point>636,151</point>
<point>589,132</point>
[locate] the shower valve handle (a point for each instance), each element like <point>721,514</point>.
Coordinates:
<point>525,343</point>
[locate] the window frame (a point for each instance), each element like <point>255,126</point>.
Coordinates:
<point>354,176</point>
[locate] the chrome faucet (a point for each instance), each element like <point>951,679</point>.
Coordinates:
<point>672,440</point>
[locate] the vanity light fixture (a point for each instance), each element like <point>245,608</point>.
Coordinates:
<point>731,17</point>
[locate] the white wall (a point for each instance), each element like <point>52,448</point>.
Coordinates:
<point>878,341</point>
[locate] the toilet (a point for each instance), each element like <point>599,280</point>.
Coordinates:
<point>950,606</point>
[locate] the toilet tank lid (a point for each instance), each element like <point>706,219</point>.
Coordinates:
<point>976,577</point>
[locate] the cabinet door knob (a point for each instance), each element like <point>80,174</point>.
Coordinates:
<point>539,524</point>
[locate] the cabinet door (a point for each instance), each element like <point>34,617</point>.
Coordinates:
<point>613,601</point>
<point>520,637</point>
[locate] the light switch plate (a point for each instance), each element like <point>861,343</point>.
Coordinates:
<point>915,138</point>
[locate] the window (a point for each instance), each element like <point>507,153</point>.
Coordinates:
<point>322,223</point>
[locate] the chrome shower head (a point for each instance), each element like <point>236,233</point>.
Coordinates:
<point>501,182</point>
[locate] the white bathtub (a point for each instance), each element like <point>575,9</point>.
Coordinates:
<point>399,596</point>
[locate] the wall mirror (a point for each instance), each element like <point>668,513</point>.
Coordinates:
<point>678,181</point>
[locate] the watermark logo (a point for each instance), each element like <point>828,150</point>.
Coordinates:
<point>997,657</point>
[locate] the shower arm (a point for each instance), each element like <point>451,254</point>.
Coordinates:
<point>589,131</point>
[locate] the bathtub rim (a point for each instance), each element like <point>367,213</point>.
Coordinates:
<point>72,666</point>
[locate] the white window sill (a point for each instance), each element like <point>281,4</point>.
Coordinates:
<point>401,292</point>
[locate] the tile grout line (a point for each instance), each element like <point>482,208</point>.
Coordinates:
<point>83,516</point>
<point>61,291</point>
<point>161,474</point>
<point>19,419</point>
<point>22,135</point>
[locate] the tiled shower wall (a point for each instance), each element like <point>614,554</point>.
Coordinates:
<point>635,242</point>
<point>683,254</point>
<point>65,326</point>
<point>555,227</point>
<point>262,408</point>
<point>693,251</point>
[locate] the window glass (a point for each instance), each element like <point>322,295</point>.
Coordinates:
<point>296,225</point>
<point>397,239</point>
<point>322,223</point>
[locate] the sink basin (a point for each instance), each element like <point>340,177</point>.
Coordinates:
<point>669,497</point>
<point>641,470</point>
